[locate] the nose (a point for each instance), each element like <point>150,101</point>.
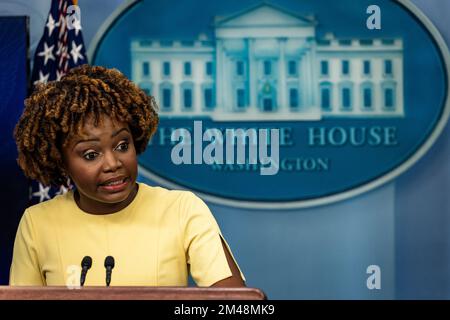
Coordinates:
<point>111,162</point>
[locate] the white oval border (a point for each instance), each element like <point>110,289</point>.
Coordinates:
<point>326,199</point>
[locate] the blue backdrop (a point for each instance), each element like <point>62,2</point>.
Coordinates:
<point>13,90</point>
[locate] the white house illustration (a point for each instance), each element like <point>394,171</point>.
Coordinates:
<point>266,64</point>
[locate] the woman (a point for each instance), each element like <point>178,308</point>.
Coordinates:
<point>89,127</point>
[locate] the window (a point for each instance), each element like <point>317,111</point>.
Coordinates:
<point>187,43</point>
<point>267,104</point>
<point>389,98</point>
<point>167,98</point>
<point>366,67</point>
<point>267,67</point>
<point>187,97</point>
<point>388,91</point>
<point>324,68</point>
<point>240,98</point>
<point>208,96</point>
<point>346,98</point>
<point>325,94</point>
<point>166,68</point>
<point>187,68</point>
<point>366,42</point>
<point>145,43</point>
<point>166,95</point>
<point>388,67</point>
<point>366,94</point>
<point>209,68</point>
<point>293,98</point>
<point>146,69</point>
<point>345,67</point>
<point>240,68</point>
<point>345,91</point>
<point>292,68</point>
<point>146,87</point>
<point>367,97</point>
<point>345,42</point>
<point>166,43</point>
<point>323,42</point>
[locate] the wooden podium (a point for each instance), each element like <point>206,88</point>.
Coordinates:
<point>129,293</point>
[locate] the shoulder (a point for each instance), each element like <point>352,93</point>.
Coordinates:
<point>45,210</point>
<point>185,203</point>
<point>168,197</point>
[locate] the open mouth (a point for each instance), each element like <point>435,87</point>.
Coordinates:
<point>114,182</point>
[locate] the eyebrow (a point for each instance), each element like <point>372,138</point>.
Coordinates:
<point>97,139</point>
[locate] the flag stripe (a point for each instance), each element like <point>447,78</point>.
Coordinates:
<point>60,49</point>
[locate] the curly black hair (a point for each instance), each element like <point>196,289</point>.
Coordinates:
<point>58,110</point>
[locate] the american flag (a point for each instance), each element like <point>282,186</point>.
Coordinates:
<point>60,49</point>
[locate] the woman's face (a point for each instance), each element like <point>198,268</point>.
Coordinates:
<point>101,162</point>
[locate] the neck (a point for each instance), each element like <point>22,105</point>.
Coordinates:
<point>94,207</point>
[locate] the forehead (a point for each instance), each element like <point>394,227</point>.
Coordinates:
<point>105,126</point>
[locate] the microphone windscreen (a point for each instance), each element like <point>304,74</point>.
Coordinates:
<point>109,262</point>
<point>86,262</point>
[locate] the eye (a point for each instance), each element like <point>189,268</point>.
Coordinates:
<point>123,146</point>
<point>90,156</point>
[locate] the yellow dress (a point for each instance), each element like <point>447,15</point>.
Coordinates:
<point>156,240</point>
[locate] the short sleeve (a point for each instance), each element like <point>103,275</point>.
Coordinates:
<point>25,269</point>
<point>202,242</point>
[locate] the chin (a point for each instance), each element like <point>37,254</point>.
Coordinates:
<point>115,196</point>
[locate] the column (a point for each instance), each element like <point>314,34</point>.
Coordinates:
<point>176,79</point>
<point>314,75</point>
<point>307,78</point>
<point>282,76</point>
<point>301,81</point>
<point>227,95</point>
<point>219,74</point>
<point>198,79</point>
<point>176,97</point>
<point>252,73</point>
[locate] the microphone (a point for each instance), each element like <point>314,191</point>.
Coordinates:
<point>109,265</point>
<point>86,264</point>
